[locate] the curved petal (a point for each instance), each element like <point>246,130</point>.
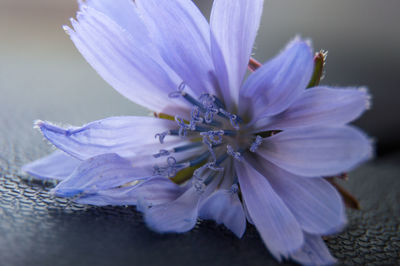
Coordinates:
<point>273,87</point>
<point>320,106</point>
<point>123,12</point>
<point>274,221</point>
<point>99,173</point>
<point>156,190</point>
<point>183,38</point>
<point>313,252</point>
<point>57,165</point>
<point>177,216</point>
<point>315,152</point>
<point>128,65</point>
<point>234,25</point>
<point>317,206</point>
<point>224,207</point>
<point>125,136</point>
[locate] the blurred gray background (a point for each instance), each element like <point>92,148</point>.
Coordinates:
<point>42,76</point>
<point>40,69</point>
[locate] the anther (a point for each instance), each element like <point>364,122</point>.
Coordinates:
<point>170,170</point>
<point>214,136</point>
<point>235,154</point>
<point>215,167</point>
<point>233,119</point>
<point>161,136</point>
<point>234,189</point>
<point>257,142</point>
<point>179,92</point>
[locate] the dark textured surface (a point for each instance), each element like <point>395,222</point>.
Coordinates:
<point>39,229</point>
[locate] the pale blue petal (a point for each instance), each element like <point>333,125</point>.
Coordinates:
<point>278,83</point>
<point>313,252</point>
<point>128,65</point>
<point>320,106</point>
<point>316,205</point>
<point>57,165</point>
<point>177,216</point>
<point>315,152</point>
<point>224,207</point>
<point>234,25</point>
<point>183,38</point>
<point>123,12</point>
<point>99,173</point>
<point>155,191</point>
<point>274,221</point>
<point>125,136</point>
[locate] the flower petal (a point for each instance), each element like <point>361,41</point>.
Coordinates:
<point>122,135</point>
<point>234,25</point>
<point>123,12</point>
<point>321,106</point>
<point>317,206</point>
<point>180,215</point>
<point>224,207</point>
<point>315,152</point>
<point>176,216</point>
<point>313,252</point>
<point>278,83</point>
<point>135,72</point>
<point>274,221</point>
<point>99,173</point>
<point>183,38</point>
<point>57,165</point>
<point>156,190</point>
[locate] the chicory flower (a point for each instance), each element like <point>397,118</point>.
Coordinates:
<point>222,147</point>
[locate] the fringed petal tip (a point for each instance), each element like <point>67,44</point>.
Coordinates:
<point>67,29</point>
<point>367,96</point>
<point>298,40</point>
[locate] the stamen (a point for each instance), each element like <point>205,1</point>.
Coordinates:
<point>183,127</point>
<point>192,100</point>
<point>235,154</point>
<point>257,142</point>
<point>209,106</point>
<point>199,159</point>
<point>233,119</point>
<point>234,189</point>
<point>209,147</point>
<point>161,136</point>
<point>161,153</point>
<point>187,147</point>
<point>200,184</point>
<point>171,169</point>
<point>178,92</point>
<point>214,166</point>
<point>195,116</point>
<point>221,159</point>
<point>210,178</point>
<point>214,136</point>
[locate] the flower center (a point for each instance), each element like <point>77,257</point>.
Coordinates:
<point>219,134</point>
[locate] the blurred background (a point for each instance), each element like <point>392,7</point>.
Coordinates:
<point>40,69</point>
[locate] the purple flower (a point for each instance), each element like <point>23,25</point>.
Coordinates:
<point>222,148</point>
